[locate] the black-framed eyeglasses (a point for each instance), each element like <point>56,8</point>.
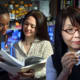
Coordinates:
<point>71,31</point>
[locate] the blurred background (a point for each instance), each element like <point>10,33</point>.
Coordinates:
<point>18,8</point>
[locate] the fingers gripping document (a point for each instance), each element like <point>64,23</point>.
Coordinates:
<point>13,66</point>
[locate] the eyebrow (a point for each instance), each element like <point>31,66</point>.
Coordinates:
<point>29,23</point>
<point>68,25</point>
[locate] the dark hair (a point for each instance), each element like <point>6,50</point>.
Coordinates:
<point>3,10</point>
<point>59,46</point>
<point>41,23</point>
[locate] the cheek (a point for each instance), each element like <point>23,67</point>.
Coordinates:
<point>34,30</point>
<point>7,27</point>
<point>67,38</point>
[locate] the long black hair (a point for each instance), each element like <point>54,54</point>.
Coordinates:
<point>59,45</point>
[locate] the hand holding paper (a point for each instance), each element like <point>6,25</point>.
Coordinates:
<point>13,66</point>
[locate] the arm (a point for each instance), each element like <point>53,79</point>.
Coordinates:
<point>51,73</point>
<point>47,51</point>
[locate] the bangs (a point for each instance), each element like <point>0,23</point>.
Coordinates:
<point>75,21</point>
<point>75,17</point>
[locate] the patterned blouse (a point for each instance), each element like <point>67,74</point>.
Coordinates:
<point>38,48</point>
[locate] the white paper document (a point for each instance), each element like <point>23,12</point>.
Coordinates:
<point>13,66</point>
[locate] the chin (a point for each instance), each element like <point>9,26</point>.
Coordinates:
<point>28,35</point>
<point>76,48</point>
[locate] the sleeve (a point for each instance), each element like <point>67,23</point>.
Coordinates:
<point>48,50</point>
<point>51,73</point>
<point>41,73</point>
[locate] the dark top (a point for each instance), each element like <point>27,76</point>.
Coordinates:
<point>3,73</point>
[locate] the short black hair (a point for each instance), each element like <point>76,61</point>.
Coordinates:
<point>3,10</point>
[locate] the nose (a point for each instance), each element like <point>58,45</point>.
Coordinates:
<point>77,34</point>
<point>29,27</point>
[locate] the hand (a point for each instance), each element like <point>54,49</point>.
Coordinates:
<point>68,61</point>
<point>12,77</point>
<point>28,74</point>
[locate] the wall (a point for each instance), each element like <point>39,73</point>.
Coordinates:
<point>44,7</point>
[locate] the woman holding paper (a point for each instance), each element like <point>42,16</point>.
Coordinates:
<point>34,42</point>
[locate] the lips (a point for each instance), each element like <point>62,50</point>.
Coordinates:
<point>28,32</point>
<point>76,42</point>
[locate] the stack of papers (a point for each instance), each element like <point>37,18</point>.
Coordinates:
<point>13,66</point>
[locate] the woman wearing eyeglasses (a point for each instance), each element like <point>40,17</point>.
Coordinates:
<point>62,65</point>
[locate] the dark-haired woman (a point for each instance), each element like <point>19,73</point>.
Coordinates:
<point>34,42</point>
<point>62,65</point>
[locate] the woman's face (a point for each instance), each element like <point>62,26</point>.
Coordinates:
<point>4,22</point>
<point>71,35</point>
<point>29,27</point>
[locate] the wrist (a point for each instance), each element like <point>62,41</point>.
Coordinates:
<point>63,75</point>
<point>65,72</point>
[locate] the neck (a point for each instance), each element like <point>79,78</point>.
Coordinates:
<point>29,41</point>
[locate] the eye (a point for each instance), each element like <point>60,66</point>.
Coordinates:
<point>69,30</point>
<point>26,24</point>
<point>33,26</point>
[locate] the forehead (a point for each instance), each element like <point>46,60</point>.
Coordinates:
<point>4,18</point>
<point>67,21</point>
<point>30,19</point>
<point>71,23</point>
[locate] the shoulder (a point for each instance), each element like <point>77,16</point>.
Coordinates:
<point>42,42</point>
<point>46,42</point>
